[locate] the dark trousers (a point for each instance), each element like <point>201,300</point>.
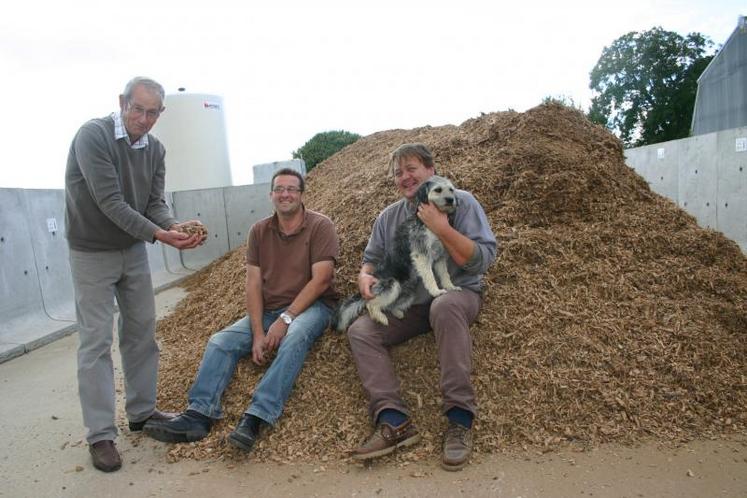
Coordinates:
<point>449,316</point>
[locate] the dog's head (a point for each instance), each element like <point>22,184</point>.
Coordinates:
<point>438,191</point>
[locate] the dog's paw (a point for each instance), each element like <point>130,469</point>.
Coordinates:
<point>382,319</point>
<point>439,292</point>
<point>398,314</point>
<point>454,288</point>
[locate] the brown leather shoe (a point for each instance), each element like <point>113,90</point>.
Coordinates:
<point>105,456</point>
<point>385,439</point>
<point>457,447</point>
<point>156,415</point>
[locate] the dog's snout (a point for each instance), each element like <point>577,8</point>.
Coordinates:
<point>449,201</point>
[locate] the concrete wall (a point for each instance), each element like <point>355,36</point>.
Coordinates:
<point>36,289</point>
<point>263,172</point>
<point>706,175</point>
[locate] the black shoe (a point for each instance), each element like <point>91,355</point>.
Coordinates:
<point>156,415</point>
<point>184,428</point>
<point>247,432</point>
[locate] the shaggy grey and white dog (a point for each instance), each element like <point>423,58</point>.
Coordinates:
<point>418,255</point>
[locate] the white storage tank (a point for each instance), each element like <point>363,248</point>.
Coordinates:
<point>193,130</point>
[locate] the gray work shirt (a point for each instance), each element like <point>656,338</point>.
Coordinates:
<point>470,220</point>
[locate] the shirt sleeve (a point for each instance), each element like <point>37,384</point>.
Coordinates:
<point>100,174</point>
<point>325,245</point>
<point>376,249</point>
<point>472,222</point>
<point>252,246</point>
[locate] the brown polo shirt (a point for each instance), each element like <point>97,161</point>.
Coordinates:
<point>285,261</point>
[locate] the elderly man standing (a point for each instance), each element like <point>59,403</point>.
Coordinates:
<point>114,203</point>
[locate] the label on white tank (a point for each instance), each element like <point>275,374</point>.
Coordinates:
<point>211,105</point>
<point>661,153</point>
<point>52,224</point>
<point>741,144</point>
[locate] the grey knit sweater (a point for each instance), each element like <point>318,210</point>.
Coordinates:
<point>114,195</point>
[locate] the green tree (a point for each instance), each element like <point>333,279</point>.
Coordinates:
<point>644,85</point>
<point>563,100</point>
<point>323,145</point>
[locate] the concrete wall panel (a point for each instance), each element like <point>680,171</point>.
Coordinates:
<point>24,322</point>
<point>208,207</point>
<point>245,205</point>
<point>171,256</point>
<point>732,184</point>
<point>262,173</point>
<point>732,218</point>
<point>19,283</point>
<point>45,217</point>
<point>698,178</point>
<point>711,175</point>
<point>659,165</point>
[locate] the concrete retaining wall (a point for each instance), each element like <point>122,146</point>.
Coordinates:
<point>706,175</point>
<point>36,289</point>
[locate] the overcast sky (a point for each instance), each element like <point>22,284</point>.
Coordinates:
<point>292,69</point>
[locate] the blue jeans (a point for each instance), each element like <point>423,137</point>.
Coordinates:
<point>225,348</point>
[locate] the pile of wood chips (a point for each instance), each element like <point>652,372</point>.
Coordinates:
<point>610,316</point>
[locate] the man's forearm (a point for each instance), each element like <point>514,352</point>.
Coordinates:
<point>254,305</point>
<point>312,291</point>
<point>460,248</point>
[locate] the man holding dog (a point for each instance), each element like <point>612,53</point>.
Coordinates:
<point>471,246</point>
<point>290,296</point>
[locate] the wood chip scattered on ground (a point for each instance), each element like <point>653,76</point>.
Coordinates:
<point>610,316</point>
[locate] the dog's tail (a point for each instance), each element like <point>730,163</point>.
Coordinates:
<point>347,312</point>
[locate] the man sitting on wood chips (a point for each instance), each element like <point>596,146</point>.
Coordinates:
<point>290,296</point>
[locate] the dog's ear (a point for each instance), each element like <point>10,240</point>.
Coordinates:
<point>421,196</point>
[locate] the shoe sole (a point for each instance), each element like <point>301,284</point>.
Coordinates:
<point>106,468</point>
<point>454,467</point>
<point>385,451</point>
<point>167,436</point>
<point>238,443</point>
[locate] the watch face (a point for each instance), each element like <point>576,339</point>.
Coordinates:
<point>286,318</point>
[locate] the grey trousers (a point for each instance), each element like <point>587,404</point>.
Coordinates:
<point>99,278</point>
<point>449,316</point>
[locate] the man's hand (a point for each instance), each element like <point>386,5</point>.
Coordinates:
<point>436,220</point>
<point>365,283</point>
<point>275,335</point>
<point>177,239</point>
<point>258,350</point>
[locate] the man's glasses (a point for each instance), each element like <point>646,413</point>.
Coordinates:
<point>137,111</point>
<point>290,190</point>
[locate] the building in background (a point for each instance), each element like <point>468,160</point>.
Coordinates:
<point>721,99</point>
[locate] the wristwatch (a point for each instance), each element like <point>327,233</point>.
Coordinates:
<point>286,317</point>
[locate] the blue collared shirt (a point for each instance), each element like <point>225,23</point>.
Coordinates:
<point>121,132</point>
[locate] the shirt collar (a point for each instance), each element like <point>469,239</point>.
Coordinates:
<point>120,132</point>
<point>275,224</point>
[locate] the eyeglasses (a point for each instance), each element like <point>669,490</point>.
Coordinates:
<point>290,190</point>
<point>137,110</point>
